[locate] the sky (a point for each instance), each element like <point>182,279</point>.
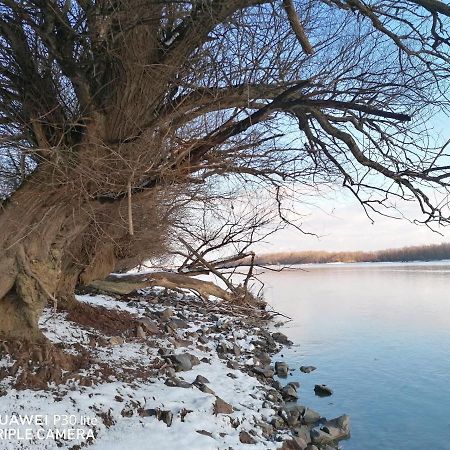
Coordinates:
<point>341,225</point>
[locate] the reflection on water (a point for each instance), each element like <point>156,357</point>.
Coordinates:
<point>380,337</point>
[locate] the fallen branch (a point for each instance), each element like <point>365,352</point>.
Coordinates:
<point>130,283</point>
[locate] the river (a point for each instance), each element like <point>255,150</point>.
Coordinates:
<point>379,335</point>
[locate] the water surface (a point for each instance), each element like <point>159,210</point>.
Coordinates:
<point>379,335</point>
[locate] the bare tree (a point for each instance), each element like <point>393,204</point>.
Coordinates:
<point>113,112</point>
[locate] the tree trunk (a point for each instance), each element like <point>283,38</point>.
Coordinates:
<point>40,228</point>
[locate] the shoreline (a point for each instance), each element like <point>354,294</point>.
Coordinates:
<point>186,374</point>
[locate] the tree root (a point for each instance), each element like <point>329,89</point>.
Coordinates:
<point>36,364</point>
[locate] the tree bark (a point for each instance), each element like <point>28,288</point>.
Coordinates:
<point>43,234</point>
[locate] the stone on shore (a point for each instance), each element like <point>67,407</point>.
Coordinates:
<point>246,438</point>
<point>289,392</point>
<point>282,369</point>
<point>222,407</point>
<point>184,361</point>
<point>296,443</point>
<point>322,390</point>
<point>332,431</point>
<point>310,416</point>
<point>307,369</point>
<point>281,338</point>
<point>266,372</point>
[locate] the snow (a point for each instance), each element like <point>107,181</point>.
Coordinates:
<point>121,401</point>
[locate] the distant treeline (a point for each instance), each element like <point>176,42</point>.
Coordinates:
<point>416,253</point>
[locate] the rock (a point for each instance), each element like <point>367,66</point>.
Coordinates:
<point>266,428</point>
<point>166,314</point>
<point>322,390</point>
<point>307,369</point>
<point>303,431</point>
<point>178,323</point>
<point>194,360</point>
<point>201,379</point>
<point>178,343</point>
<point>312,447</point>
<point>289,392</point>
<point>177,382</point>
<point>204,432</point>
<point>205,388</point>
<point>263,358</point>
<point>181,362</point>
<point>266,372</point>
<point>140,333</point>
<point>281,338</point>
<point>236,350</point>
<point>149,326</point>
<point>332,431</point>
<point>184,361</point>
<point>168,371</point>
<point>246,438</point>
<point>165,416</point>
<point>310,416</point>
<point>116,340</point>
<point>282,369</point>
<point>222,407</point>
<point>293,413</point>
<point>274,396</point>
<point>233,365</point>
<point>203,340</point>
<point>231,375</point>
<point>297,443</point>
<point>278,422</point>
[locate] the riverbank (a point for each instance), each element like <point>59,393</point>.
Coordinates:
<point>173,372</point>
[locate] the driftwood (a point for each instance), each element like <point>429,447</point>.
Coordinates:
<point>130,283</point>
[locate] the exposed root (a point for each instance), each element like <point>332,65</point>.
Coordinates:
<point>107,321</point>
<point>36,364</point>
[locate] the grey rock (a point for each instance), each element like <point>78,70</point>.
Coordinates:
<point>289,392</point>
<point>274,396</point>
<point>177,382</point>
<point>281,338</point>
<point>322,390</point>
<point>295,443</point>
<point>181,362</point>
<point>278,422</point>
<point>222,407</point>
<point>307,369</point>
<point>310,416</point>
<point>201,379</point>
<point>184,361</point>
<point>263,358</point>
<point>292,413</point>
<point>165,416</point>
<point>282,369</point>
<point>332,431</point>
<point>149,326</point>
<point>165,315</point>
<point>246,438</point>
<point>303,431</point>
<point>205,388</point>
<point>266,372</point>
<point>140,333</point>
<point>179,323</point>
<point>233,365</point>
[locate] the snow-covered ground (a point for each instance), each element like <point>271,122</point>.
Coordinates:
<point>123,410</point>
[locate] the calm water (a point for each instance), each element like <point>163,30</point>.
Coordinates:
<point>379,335</point>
